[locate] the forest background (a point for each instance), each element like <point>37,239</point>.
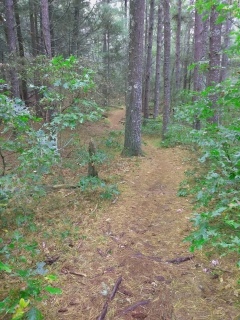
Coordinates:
<point>174,64</point>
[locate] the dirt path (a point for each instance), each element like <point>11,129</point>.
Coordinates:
<point>137,238</point>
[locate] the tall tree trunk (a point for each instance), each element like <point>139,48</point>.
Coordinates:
<point>132,141</point>
<point>32,27</point>
<point>46,38</point>
<point>224,61</point>
<point>186,59</point>
<point>46,28</point>
<point>24,91</point>
<point>106,66</point>
<point>214,61</point>
<point>166,68</point>
<point>52,36</point>
<point>149,61</point>
<point>178,46</point>
<point>75,33</point>
<point>158,61</point>
<point>126,48</point>
<point>198,55</point>
<point>37,23</point>
<point>146,18</point>
<point>12,46</point>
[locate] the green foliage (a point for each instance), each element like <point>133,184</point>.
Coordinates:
<point>112,141</point>
<point>30,282</point>
<point>83,157</point>
<point>34,151</point>
<point>93,184</point>
<point>34,147</point>
<point>215,185</point>
<point>152,127</point>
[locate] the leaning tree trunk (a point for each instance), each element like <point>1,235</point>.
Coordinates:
<point>158,62</point>
<point>132,141</point>
<point>166,69</point>
<point>12,46</point>
<point>149,61</point>
<point>214,61</point>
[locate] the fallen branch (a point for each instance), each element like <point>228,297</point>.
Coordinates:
<point>64,186</point>
<point>180,259</point>
<point>111,297</point>
<point>134,306</point>
<point>115,288</point>
<point>104,311</point>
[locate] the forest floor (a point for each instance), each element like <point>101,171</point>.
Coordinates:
<point>125,258</point>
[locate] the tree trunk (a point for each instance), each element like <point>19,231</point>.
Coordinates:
<point>106,66</point>
<point>46,28</point>
<point>198,55</point>
<point>178,46</point>
<point>166,71</point>
<point>186,59</point>
<point>214,61</point>
<point>149,61</point>
<point>92,171</point>
<point>158,62</point>
<point>224,61</point>
<point>12,46</point>
<point>146,17</point>
<point>75,33</point>
<point>51,24</point>
<point>33,28</point>
<point>132,141</point>
<point>24,91</point>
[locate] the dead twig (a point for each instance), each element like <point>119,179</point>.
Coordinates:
<point>134,306</point>
<point>115,288</point>
<point>180,259</point>
<point>111,297</point>
<point>104,312</point>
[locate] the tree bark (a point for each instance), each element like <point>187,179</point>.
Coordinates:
<point>186,59</point>
<point>75,33</point>
<point>46,28</point>
<point>214,61</point>
<point>24,91</point>
<point>149,61</point>
<point>166,68</point>
<point>158,62</point>
<point>132,140</point>
<point>178,46</point>
<point>224,61</point>
<point>12,46</point>
<point>198,56</point>
<point>33,27</point>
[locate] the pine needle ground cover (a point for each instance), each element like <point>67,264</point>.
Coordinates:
<point>131,241</point>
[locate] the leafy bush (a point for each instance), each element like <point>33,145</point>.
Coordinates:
<point>215,185</point>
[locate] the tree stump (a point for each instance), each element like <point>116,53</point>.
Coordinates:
<point>92,171</point>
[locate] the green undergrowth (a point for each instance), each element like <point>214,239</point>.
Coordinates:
<point>35,156</point>
<point>25,269</point>
<point>214,181</point>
